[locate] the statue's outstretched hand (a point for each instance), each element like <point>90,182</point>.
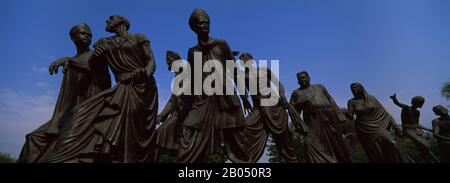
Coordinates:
<point>99,50</point>
<point>393,96</point>
<point>53,68</point>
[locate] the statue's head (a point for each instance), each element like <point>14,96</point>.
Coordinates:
<point>440,110</point>
<point>246,57</point>
<point>81,34</point>
<point>117,22</point>
<point>357,90</point>
<point>303,79</point>
<point>417,101</point>
<point>199,22</point>
<point>171,57</point>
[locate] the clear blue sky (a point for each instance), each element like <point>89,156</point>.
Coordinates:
<point>390,46</point>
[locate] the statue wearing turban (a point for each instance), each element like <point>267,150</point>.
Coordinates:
<point>210,122</point>
<point>78,84</point>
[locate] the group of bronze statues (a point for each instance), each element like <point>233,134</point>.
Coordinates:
<point>96,122</point>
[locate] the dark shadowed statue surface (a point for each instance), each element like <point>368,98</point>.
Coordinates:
<point>77,85</point>
<point>118,124</point>
<point>210,122</point>
<point>372,127</point>
<point>94,122</point>
<point>413,129</point>
<point>266,120</point>
<point>324,142</point>
<point>441,130</point>
<point>168,132</point>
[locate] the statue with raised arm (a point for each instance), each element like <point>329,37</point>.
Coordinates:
<point>372,125</point>
<point>324,142</point>
<point>412,129</point>
<point>118,124</point>
<point>211,123</point>
<point>267,120</point>
<point>77,86</point>
<point>441,130</point>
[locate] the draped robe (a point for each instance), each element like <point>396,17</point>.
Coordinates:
<point>77,86</point>
<point>118,124</point>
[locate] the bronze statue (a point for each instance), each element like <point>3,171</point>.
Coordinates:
<point>210,122</point>
<point>348,131</point>
<point>441,130</point>
<point>168,133</point>
<point>118,124</point>
<point>324,143</point>
<point>265,120</point>
<point>372,125</point>
<point>413,129</point>
<point>77,86</point>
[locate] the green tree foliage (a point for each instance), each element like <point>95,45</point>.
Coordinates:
<point>6,158</point>
<point>274,156</point>
<point>408,147</point>
<point>217,157</point>
<point>169,156</point>
<point>358,154</point>
<point>445,90</point>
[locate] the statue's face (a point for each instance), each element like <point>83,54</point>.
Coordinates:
<point>201,25</point>
<point>82,36</point>
<point>437,113</point>
<point>356,90</point>
<point>244,58</point>
<point>417,104</point>
<point>112,24</point>
<point>169,62</point>
<point>420,105</point>
<point>303,79</point>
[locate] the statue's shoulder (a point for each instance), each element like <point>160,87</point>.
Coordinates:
<point>102,41</point>
<point>220,41</point>
<point>296,92</point>
<point>191,50</point>
<point>217,41</point>
<point>318,85</point>
<point>89,53</point>
<point>351,101</point>
<point>371,97</point>
<point>435,121</point>
<point>139,37</point>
